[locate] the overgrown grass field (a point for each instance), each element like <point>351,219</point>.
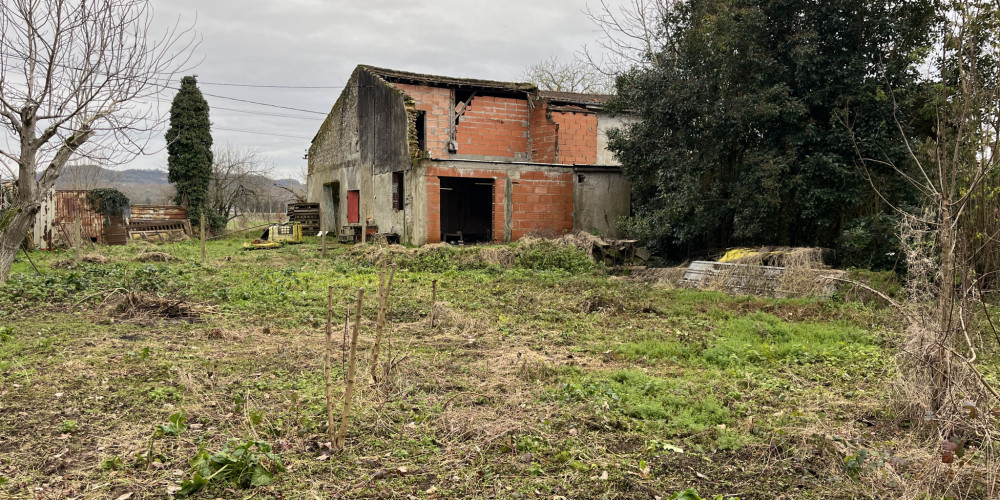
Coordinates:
<point>543,376</point>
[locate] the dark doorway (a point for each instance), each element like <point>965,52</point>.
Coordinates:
<point>331,191</point>
<point>466,209</point>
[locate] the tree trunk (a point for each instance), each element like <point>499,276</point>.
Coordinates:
<point>941,361</point>
<point>12,237</point>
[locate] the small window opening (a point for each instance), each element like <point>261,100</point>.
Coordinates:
<point>397,190</point>
<point>422,130</point>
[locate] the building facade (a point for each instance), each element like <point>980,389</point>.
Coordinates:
<point>430,159</point>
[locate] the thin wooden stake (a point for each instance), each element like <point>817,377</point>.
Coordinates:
<point>364,231</point>
<point>383,300</point>
<point>351,368</point>
<point>202,235</point>
<point>328,362</point>
<point>434,299</point>
<point>78,226</point>
<point>343,342</point>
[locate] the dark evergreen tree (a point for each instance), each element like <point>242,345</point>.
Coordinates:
<point>189,148</point>
<point>746,115</point>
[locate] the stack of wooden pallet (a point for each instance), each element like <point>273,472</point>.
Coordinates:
<point>306,214</point>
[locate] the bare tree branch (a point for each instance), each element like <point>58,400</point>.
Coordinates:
<point>76,79</point>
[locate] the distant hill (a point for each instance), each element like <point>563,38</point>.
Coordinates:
<point>142,186</point>
<point>136,176</point>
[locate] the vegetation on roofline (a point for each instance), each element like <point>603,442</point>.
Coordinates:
<point>107,201</point>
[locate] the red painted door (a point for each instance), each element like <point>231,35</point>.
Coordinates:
<point>353,211</point>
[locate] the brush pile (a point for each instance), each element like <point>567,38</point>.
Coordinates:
<point>771,271</point>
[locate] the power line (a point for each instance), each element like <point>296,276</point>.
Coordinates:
<point>264,113</point>
<point>259,103</point>
<point>259,133</point>
<point>167,86</point>
<point>273,86</point>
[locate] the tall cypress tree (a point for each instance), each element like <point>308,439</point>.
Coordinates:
<point>189,148</point>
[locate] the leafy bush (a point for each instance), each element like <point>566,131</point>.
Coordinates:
<point>107,201</point>
<point>243,463</point>
<point>870,243</point>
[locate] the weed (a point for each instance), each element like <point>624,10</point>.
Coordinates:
<point>692,494</point>
<point>113,462</point>
<point>243,463</point>
<point>654,446</point>
<point>676,405</point>
<point>69,426</point>
<point>176,423</point>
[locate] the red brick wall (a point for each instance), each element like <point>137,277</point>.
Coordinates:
<point>543,201</point>
<point>543,134</point>
<point>434,175</point>
<point>577,137</point>
<point>433,208</point>
<point>434,101</point>
<point>494,126</point>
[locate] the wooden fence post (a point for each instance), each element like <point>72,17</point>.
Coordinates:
<point>203,235</point>
<point>434,298</point>
<point>78,230</point>
<point>328,362</point>
<point>351,369</point>
<point>383,301</point>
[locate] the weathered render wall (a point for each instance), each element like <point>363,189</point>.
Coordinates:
<point>605,122</point>
<point>335,159</point>
<point>600,198</point>
<point>387,218</point>
<point>382,126</point>
<point>361,143</point>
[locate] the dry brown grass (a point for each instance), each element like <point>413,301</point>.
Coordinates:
<point>802,273</point>
<point>665,277</point>
<point>141,307</point>
<point>90,258</point>
<point>153,257</point>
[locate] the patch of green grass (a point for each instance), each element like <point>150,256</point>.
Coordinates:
<point>761,339</point>
<point>676,405</point>
<point>541,373</point>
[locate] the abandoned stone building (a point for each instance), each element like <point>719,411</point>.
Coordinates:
<point>428,158</point>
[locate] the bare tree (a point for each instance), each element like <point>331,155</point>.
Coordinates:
<point>87,176</point>
<point>240,178</point>
<point>948,323</point>
<point>568,76</point>
<point>77,79</point>
<point>630,35</point>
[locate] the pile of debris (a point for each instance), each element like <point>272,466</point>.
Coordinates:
<point>767,271</point>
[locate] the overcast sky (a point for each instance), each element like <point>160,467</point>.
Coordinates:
<point>319,42</point>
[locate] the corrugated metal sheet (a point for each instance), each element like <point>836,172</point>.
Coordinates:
<point>158,212</point>
<point>56,219</point>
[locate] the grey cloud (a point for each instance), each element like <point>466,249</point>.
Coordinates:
<point>315,42</point>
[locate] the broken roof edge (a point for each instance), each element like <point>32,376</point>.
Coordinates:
<point>585,99</point>
<point>589,100</point>
<point>397,76</point>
